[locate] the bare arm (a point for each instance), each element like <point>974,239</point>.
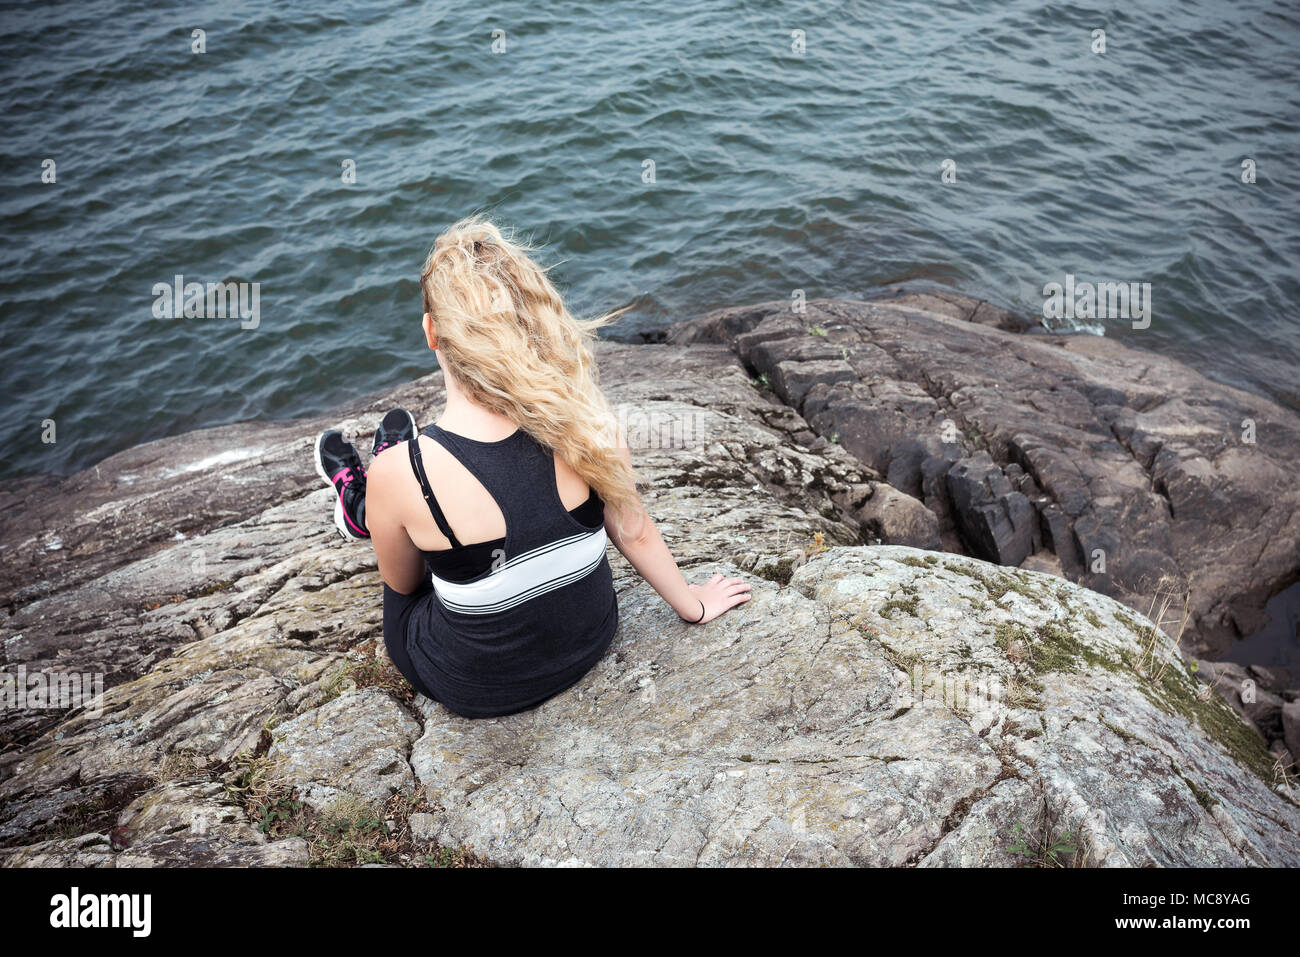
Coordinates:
<point>401,565</point>
<point>641,544</point>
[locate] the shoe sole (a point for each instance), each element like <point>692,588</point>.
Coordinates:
<point>414,432</point>
<point>340,522</point>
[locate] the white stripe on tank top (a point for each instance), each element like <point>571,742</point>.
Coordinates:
<point>525,576</point>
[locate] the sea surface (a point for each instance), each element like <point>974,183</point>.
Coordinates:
<point>794,146</point>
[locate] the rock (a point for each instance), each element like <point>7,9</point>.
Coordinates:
<point>1239,688</point>
<point>987,833</point>
<point>794,380</point>
<point>784,733</point>
<point>354,746</point>
<point>757,765</point>
<point>1270,679</point>
<point>1291,726</point>
<point>1089,743</point>
<point>894,518</point>
<point>1265,713</point>
<point>960,307</point>
<point>69,808</point>
<point>1223,672</point>
<point>645,763</point>
<point>423,828</point>
<point>1058,536</point>
<point>723,324</point>
<point>997,521</point>
<point>1043,561</point>
<point>1138,466</point>
<point>779,568</point>
<point>176,825</point>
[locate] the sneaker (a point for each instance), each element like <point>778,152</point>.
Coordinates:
<point>338,463</point>
<point>398,426</point>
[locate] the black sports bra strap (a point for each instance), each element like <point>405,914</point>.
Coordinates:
<point>417,464</point>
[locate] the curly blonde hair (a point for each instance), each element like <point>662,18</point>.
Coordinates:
<point>505,335</point>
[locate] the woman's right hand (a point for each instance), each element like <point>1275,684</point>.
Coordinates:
<point>718,594</point>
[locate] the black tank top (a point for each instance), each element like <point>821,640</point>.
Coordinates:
<point>541,614</point>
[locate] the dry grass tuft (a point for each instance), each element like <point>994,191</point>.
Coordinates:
<point>1169,611</point>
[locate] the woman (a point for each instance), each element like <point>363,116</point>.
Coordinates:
<point>490,526</point>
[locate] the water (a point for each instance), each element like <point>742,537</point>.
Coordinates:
<point>1277,644</point>
<point>773,172</point>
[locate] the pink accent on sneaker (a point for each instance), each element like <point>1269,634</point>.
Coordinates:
<point>341,479</point>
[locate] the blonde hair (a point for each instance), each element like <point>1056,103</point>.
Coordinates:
<point>505,335</point>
